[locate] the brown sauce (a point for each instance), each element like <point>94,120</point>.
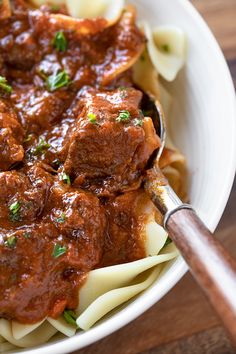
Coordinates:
<point>73,153</point>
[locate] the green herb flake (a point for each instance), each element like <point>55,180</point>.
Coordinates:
<point>123,91</point>
<point>58,250</point>
<point>14,209</point>
<point>26,235</point>
<point>56,162</point>
<point>28,138</point>
<point>56,81</point>
<point>138,122</point>
<point>11,241</point>
<point>61,218</point>
<point>70,317</point>
<point>142,57</point>
<point>168,241</point>
<point>65,178</point>
<point>4,86</point>
<point>55,7</point>
<point>13,278</point>
<point>165,48</point>
<point>59,42</point>
<point>124,116</point>
<point>92,118</point>
<point>41,147</point>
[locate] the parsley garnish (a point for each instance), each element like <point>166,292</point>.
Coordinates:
<point>4,86</point>
<point>142,57</point>
<point>92,118</point>
<point>13,276</point>
<point>165,48</point>
<point>58,250</point>
<point>65,178</point>
<point>124,116</point>
<point>56,81</point>
<point>70,317</point>
<point>123,91</point>
<point>14,211</point>
<point>168,241</point>
<point>56,162</point>
<point>55,7</point>
<point>26,235</point>
<point>138,122</point>
<point>60,42</point>
<point>28,138</point>
<point>41,147</point>
<point>61,218</point>
<point>11,241</point>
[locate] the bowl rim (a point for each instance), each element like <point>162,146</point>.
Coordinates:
<point>150,297</point>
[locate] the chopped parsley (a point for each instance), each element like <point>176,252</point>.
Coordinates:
<point>26,235</point>
<point>4,86</point>
<point>58,250</point>
<point>14,209</point>
<point>124,116</point>
<point>59,42</point>
<point>165,48</point>
<point>142,57</point>
<point>13,277</point>
<point>70,317</point>
<point>55,7</point>
<point>28,138</point>
<point>168,241</point>
<point>65,178</point>
<point>123,91</point>
<point>92,118</point>
<point>11,241</point>
<point>56,81</point>
<point>41,147</point>
<point>138,122</point>
<point>56,163</point>
<point>61,218</point>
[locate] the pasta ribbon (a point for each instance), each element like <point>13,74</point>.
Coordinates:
<point>167,49</point>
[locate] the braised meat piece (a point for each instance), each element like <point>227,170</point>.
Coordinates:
<point>18,46</point>
<point>23,195</point>
<point>80,218</point>
<point>110,143</point>
<point>125,237</point>
<point>37,108</point>
<point>54,251</point>
<point>11,136</point>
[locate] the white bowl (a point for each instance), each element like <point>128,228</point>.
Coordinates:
<point>203,124</point>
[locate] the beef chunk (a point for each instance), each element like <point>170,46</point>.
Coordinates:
<point>18,46</point>
<point>54,253</point>
<point>124,241</point>
<point>37,107</point>
<point>110,143</point>
<point>23,195</point>
<point>79,217</point>
<point>11,137</point>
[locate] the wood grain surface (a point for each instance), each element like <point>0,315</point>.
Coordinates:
<point>216,273</point>
<point>183,321</point>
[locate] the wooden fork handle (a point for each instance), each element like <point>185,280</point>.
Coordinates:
<point>211,265</point>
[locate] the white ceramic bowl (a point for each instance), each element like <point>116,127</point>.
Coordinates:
<point>203,124</point>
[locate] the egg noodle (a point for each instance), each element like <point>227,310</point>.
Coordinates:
<point>107,288</point>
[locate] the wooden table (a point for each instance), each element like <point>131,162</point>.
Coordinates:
<point>183,321</point>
